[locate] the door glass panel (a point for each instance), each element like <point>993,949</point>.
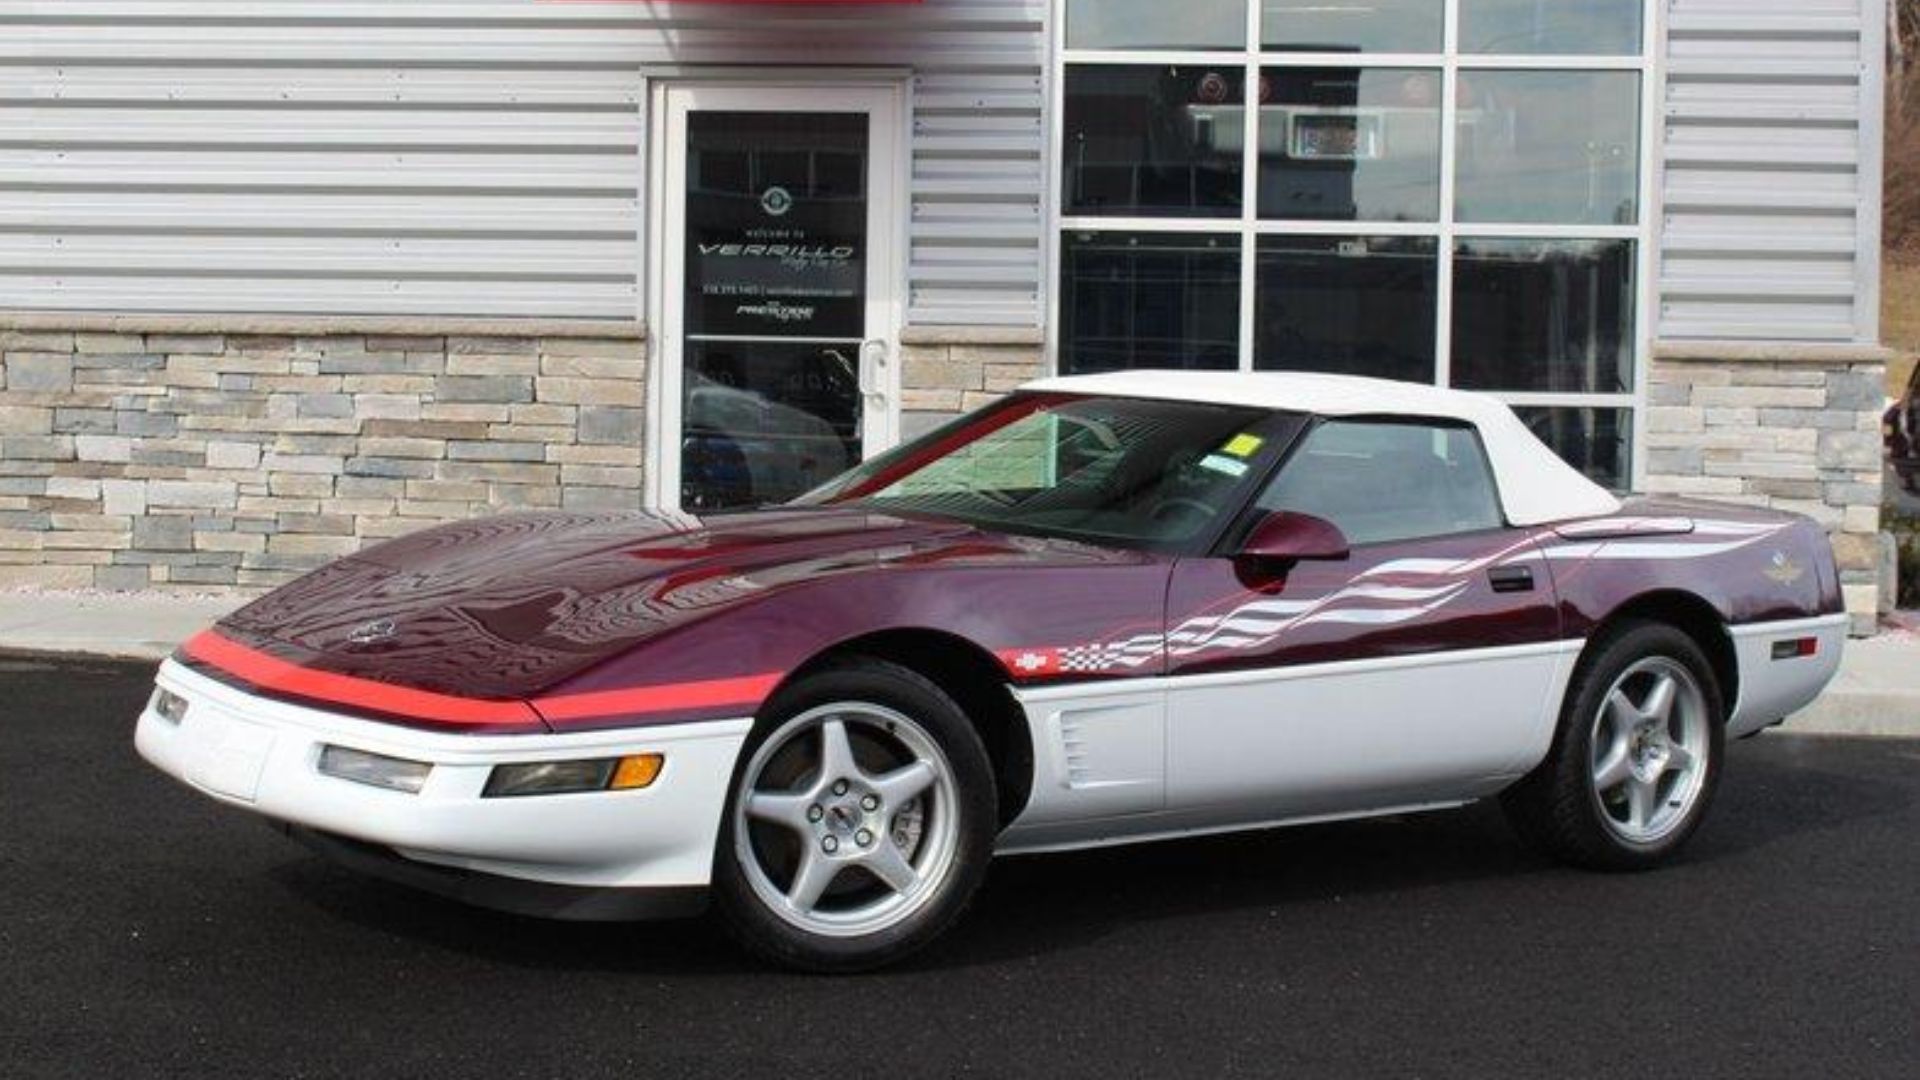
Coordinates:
<point>775,306</point>
<point>764,421</point>
<point>1382,482</point>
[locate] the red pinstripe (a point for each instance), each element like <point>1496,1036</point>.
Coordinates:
<point>272,673</point>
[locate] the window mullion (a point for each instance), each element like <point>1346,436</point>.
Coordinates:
<point>1449,155</point>
<point>1250,185</point>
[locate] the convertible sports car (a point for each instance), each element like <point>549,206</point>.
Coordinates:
<point>1106,609</point>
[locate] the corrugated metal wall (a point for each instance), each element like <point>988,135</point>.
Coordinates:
<point>447,158</point>
<point>1770,218</point>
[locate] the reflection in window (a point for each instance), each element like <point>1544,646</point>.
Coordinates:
<point>1406,26</point>
<point>1148,300</point>
<point>765,421</point>
<point>1543,315</point>
<point>1349,144</point>
<point>1555,27</point>
<point>1347,305</point>
<point>1156,24</point>
<point>1598,442</point>
<point>1153,140</point>
<point>1549,147</point>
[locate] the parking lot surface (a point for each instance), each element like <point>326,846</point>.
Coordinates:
<point>146,931</point>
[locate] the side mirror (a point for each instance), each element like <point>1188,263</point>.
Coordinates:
<point>1286,537</point>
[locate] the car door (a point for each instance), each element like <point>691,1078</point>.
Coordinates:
<point>1424,667</point>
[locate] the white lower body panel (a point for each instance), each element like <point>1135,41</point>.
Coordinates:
<point>263,755</point>
<point>1770,689</point>
<point>1208,753</point>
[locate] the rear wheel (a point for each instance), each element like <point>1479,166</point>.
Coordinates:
<point>860,823</point>
<point>1636,758</point>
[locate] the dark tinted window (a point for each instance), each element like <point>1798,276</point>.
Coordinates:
<point>1598,442</point>
<point>1384,481</point>
<point>1543,315</point>
<point>1347,305</point>
<point>1153,140</point>
<point>1149,300</point>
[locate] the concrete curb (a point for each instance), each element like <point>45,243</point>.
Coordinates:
<point>115,626</point>
<point>1877,691</point>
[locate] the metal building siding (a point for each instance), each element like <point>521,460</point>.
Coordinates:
<point>410,157</point>
<point>1770,163</point>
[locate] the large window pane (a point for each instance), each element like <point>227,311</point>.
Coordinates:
<point>1598,442</point>
<point>1347,305</point>
<point>1549,147</point>
<point>1153,140</point>
<point>1411,26</point>
<point>1156,24</point>
<point>1543,315</point>
<point>1558,27</point>
<point>1350,144</point>
<point>1161,300</point>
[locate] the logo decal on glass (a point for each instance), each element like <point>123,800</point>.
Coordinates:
<point>776,201</point>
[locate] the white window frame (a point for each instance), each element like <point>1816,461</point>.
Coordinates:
<point>1446,231</point>
<point>886,95</point>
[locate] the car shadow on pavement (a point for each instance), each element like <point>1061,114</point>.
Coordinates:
<point>1035,906</point>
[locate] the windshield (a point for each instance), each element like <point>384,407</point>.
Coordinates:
<point>1124,471</point>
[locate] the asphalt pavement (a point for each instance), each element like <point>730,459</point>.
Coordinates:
<point>146,931</point>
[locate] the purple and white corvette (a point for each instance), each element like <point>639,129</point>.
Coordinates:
<point>1106,609</point>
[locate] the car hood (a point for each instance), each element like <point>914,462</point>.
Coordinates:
<point>507,607</point>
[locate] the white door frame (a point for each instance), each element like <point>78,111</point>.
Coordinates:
<point>881,95</point>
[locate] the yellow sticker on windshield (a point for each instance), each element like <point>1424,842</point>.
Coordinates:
<point>1242,445</point>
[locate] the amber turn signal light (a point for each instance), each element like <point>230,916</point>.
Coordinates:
<point>574,777</point>
<point>636,771</point>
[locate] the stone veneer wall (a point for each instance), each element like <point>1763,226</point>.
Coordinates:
<point>946,371</point>
<point>1794,428</point>
<point>133,458</point>
<point>212,454</point>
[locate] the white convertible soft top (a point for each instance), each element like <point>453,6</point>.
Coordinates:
<point>1536,487</point>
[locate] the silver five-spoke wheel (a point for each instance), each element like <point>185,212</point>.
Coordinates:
<point>1650,742</point>
<point>845,823</point>
<point>1636,757</point>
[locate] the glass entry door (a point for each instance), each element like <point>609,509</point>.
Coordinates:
<point>777,323</point>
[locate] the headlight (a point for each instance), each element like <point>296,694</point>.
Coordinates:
<point>376,770</point>
<point>171,706</point>
<point>573,777</point>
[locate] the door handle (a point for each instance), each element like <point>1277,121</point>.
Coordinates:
<point>1511,579</point>
<point>873,370</point>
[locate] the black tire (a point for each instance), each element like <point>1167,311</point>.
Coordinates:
<point>750,917</point>
<point>1556,807</point>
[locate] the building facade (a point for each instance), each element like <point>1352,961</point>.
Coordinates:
<point>280,279</point>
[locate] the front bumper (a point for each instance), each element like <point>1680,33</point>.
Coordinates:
<point>263,755</point>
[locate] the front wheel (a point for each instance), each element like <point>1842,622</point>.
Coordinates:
<point>1636,758</point>
<point>860,822</point>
